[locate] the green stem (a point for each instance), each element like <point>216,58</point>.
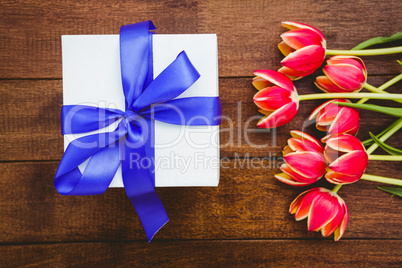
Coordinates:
<point>371,141</point>
<point>381,88</point>
<point>385,157</point>
<point>365,52</point>
<point>350,96</point>
<point>336,188</point>
<point>380,179</point>
<point>372,88</point>
<point>385,136</point>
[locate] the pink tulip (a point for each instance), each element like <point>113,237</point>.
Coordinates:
<point>277,98</point>
<point>325,210</point>
<point>336,119</point>
<point>347,159</point>
<point>305,163</point>
<point>342,74</point>
<point>304,49</point>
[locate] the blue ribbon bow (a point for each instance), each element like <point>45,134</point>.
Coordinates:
<point>146,100</point>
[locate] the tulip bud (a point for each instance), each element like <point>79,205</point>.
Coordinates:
<point>277,98</point>
<point>304,50</point>
<point>336,119</point>
<point>342,74</point>
<point>347,159</point>
<point>305,163</point>
<point>326,211</point>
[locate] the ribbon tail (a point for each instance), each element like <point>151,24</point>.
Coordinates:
<point>96,177</point>
<point>139,186</point>
<point>103,153</point>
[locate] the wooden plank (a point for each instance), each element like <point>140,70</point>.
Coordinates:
<point>30,119</point>
<point>30,31</point>
<point>282,253</point>
<point>248,204</point>
<point>248,33</point>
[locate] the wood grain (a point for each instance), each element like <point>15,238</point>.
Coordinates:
<point>248,41</point>
<point>30,119</point>
<point>248,32</point>
<point>307,253</point>
<point>244,221</point>
<point>248,204</point>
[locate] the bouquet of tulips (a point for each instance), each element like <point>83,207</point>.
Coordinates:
<point>344,158</point>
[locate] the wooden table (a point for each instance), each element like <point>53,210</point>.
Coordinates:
<point>242,222</point>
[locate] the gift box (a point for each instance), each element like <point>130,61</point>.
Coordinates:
<point>184,155</point>
<point>140,110</point>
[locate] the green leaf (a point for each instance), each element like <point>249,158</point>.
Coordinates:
<point>378,40</point>
<point>386,147</point>
<point>371,141</point>
<point>392,190</point>
<point>376,108</point>
<point>400,63</point>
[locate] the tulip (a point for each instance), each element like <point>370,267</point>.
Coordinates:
<point>305,163</point>
<point>336,119</point>
<point>326,211</point>
<point>277,98</point>
<point>342,74</point>
<point>304,50</point>
<point>347,159</point>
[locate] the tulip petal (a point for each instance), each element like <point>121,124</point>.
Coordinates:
<point>304,136</point>
<point>292,74</point>
<point>327,115</point>
<point>345,143</point>
<point>296,176</point>
<point>285,48</point>
<point>295,25</point>
<point>341,230</point>
<point>279,117</point>
<point>272,98</point>
<point>331,155</point>
<point>340,178</point>
<point>347,121</point>
<point>307,164</point>
<point>328,229</point>
<point>352,163</point>
<point>299,145</point>
<point>260,83</point>
<point>352,60</point>
<point>306,59</point>
<point>305,204</point>
<point>326,85</point>
<point>287,150</point>
<point>295,204</point>
<point>264,112</point>
<point>323,210</point>
<point>347,77</point>
<point>319,108</point>
<point>276,78</point>
<point>299,38</point>
<point>285,178</point>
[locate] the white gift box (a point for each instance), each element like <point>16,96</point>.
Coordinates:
<point>184,155</point>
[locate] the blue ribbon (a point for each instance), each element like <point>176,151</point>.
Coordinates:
<point>146,100</point>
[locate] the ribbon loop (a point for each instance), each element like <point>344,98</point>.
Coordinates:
<point>81,118</point>
<point>170,83</point>
<point>135,59</point>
